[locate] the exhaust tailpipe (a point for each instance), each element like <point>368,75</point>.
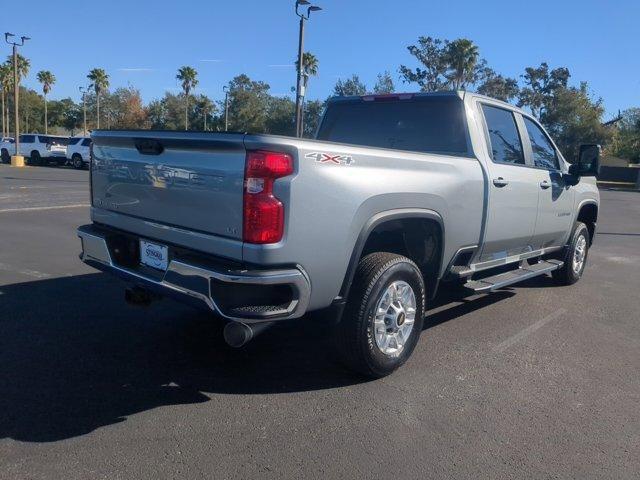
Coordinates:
<point>238,334</point>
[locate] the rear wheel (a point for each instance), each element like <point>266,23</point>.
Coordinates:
<point>384,315</point>
<point>576,258</point>
<point>6,158</point>
<point>76,159</point>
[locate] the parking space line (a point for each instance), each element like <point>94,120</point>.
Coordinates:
<point>53,207</point>
<point>29,273</point>
<point>502,346</point>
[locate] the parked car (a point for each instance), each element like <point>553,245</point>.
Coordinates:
<point>399,196</point>
<point>78,151</point>
<point>41,149</point>
<point>7,148</point>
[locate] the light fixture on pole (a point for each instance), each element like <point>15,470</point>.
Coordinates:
<point>300,93</point>
<point>16,87</point>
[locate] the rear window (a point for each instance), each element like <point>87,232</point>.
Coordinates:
<point>86,142</point>
<point>64,141</point>
<point>434,124</point>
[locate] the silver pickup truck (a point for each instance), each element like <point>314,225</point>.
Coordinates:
<point>397,197</point>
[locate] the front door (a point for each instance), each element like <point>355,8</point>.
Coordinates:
<point>513,194</point>
<point>556,198</point>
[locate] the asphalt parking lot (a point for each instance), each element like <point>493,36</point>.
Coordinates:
<point>536,381</point>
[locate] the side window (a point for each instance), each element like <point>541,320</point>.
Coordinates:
<point>73,141</point>
<point>86,142</point>
<point>504,139</point>
<point>544,155</point>
<point>27,138</point>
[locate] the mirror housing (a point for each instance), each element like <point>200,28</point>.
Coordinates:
<point>588,162</point>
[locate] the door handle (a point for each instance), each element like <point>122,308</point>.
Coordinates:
<point>544,184</point>
<point>500,182</point>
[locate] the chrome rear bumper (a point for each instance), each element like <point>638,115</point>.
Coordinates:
<point>189,281</point>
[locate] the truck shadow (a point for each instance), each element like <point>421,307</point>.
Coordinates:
<point>75,357</point>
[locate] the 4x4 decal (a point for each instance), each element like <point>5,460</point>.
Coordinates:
<point>322,157</point>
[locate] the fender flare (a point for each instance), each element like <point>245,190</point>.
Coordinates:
<point>371,224</point>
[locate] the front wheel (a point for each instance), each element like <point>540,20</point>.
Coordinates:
<point>576,258</point>
<point>384,315</point>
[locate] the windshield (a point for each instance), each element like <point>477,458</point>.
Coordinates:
<point>434,124</point>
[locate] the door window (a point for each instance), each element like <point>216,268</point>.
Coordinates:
<point>504,140</point>
<point>544,155</point>
<point>86,142</point>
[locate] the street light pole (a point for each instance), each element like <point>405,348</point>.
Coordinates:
<point>225,89</point>
<point>84,112</point>
<point>300,88</point>
<point>16,87</point>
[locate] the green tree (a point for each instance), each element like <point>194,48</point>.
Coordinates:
<point>312,114</point>
<point>202,111</point>
<point>350,86</point>
<point>23,66</point>
<point>126,109</point>
<point>461,58</point>
<point>281,116</point>
<point>429,52</point>
<point>626,141</point>
<point>189,79</point>
<point>47,79</point>
<point>100,83</point>
<point>573,117</point>
<point>6,81</point>
<point>496,86</point>
<point>384,84</point>
<point>540,85</point>
<point>248,104</point>
<point>309,67</point>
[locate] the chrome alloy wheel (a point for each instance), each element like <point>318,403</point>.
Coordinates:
<point>394,318</point>
<point>579,254</point>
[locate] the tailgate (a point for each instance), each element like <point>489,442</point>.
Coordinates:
<point>189,180</point>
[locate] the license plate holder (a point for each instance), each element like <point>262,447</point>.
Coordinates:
<point>154,255</point>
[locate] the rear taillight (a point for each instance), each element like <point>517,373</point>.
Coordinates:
<point>263,212</point>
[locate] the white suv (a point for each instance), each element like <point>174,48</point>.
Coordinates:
<point>78,151</point>
<point>7,148</point>
<point>44,148</point>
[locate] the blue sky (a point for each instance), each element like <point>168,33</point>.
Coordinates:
<point>143,43</point>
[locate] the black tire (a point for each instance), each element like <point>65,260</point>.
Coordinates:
<point>6,158</point>
<point>355,335</point>
<point>77,162</point>
<point>568,275</point>
<point>35,158</point>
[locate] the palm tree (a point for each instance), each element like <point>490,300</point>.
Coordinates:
<point>99,83</point>
<point>189,78</point>
<point>6,79</point>
<point>461,57</point>
<point>309,66</point>
<point>47,79</point>
<point>23,66</point>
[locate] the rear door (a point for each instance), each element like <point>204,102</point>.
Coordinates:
<point>556,198</point>
<point>512,192</point>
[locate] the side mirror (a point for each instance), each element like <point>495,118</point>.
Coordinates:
<point>588,164</point>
